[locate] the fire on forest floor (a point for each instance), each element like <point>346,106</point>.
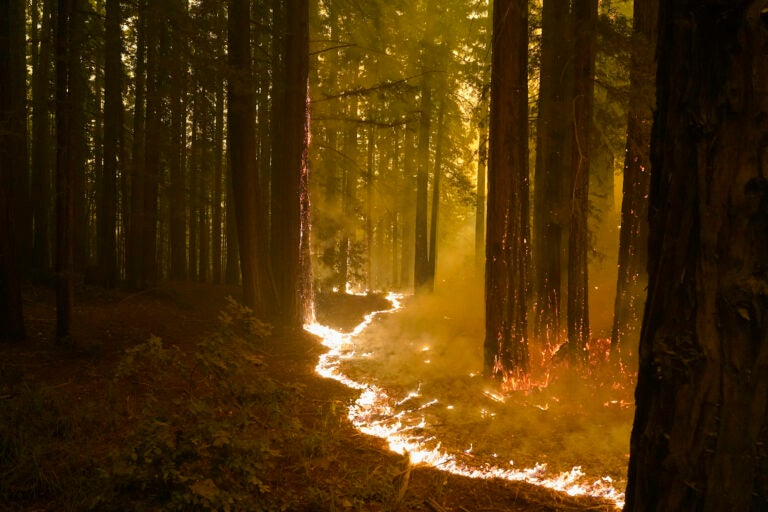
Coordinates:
<point>420,371</point>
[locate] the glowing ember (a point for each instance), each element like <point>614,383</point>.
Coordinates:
<point>374,413</point>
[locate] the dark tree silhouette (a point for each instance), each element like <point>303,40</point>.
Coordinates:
<point>701,423</point>
<point>12,108</point>
<point>245,183</point>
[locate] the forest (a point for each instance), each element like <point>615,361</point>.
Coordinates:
<point>403,255</point>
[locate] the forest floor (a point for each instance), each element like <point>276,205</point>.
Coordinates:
<point>175,399</point>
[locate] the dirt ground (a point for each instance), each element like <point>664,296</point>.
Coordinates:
<point>106,323</point>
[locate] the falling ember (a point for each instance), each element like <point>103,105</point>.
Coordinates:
<point>376,413</point>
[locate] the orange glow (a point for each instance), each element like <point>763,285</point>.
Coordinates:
<point>375,413</point>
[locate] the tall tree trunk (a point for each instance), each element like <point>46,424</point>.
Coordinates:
<point>178,194</point>
<point>17,78</point>
<point>289,192</point>
<point>41,144</point>
<point>369,208</point>
<point>79,91</point>
<point>65,171</point>
<point>202,199</point>
<point>134,250</point>
<point>421,243</point>
<point>701,422</point>
<point>218,162</point>
<point>409,189</point>
<point>245,182</point>
<point>434,216</point>
<point>506,342</point>
<point>553,135</point>
<point>154,141</point>
<point>11,109</point>
<point>113,125</point>
<point>584,20</point>
<point>349,184</point>
<point>630,287</point>
<point>194,190</point>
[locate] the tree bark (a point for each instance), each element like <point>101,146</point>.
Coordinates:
<point>701,422</point>
<point>17,78</point>
<point>177,223</point>
<point>584,19</point>
<point>506,342</point>
<point>157,45</point>
<point>113,125</point>
<point>421,230</point>
<point>289,182</point>
<point>553,136</point>
<point>65,171</point>
<point>135,233</point>
<point>633,236</point>
<point>41,144</point>
<point>218,162</point>
<point>241,137</point>
<point>11,312</point>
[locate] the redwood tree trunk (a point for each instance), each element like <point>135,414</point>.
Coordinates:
<point>553,136</point>
<point>701,423</point>
<point>289,183</point>
<point>506,342</point>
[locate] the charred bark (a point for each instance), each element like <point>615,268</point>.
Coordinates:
<point>701,423</point>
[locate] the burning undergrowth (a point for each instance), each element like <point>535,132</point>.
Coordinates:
<point>420,372</point>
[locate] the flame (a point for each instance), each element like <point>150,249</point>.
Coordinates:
<point>374,413</point>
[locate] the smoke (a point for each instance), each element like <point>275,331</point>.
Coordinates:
<point>428,357</point>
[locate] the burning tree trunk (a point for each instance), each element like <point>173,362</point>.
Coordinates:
<point>630,287</point>
<point>506,343</point>
<point>701,424</point>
